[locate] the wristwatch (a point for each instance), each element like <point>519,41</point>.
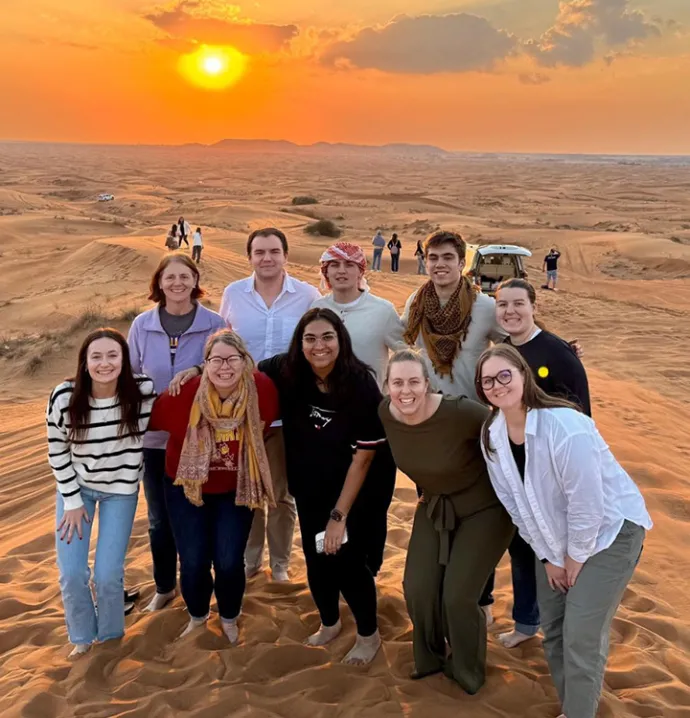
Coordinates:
<point>337,515</point>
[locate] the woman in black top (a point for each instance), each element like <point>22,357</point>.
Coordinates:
<point>329,406</point>
<point>559,372</point>
<point>395,247</point>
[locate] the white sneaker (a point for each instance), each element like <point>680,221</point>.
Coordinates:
<point>280,573</point>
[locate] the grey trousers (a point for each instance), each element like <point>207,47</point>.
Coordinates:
<point>279,526</point>
<point>576,625</point>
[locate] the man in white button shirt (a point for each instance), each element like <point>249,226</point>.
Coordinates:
<point>264,310</point>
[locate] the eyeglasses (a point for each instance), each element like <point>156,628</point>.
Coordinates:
<point>326,338</point>
<point>503,378</point>
<point>217,362</point>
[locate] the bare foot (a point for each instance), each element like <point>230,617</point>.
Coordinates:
<point>230,629</point>
<point>79,650</point>
<point>364,650</point>
<point>324,635</point>
<point>513,639</point>
<point>193,624</point>
<point>160,600</point>
<point>488,614</point>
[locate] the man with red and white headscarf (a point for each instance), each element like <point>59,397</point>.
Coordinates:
<point>374,325</point>
<point>375,328</point>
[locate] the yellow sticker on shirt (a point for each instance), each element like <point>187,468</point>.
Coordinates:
<point>543,372</point>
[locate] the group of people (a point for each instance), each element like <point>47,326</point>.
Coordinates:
<point>288,405</point>
<point>179,233</point>
<point>394,246</point>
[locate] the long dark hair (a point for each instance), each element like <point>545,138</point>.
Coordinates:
<point>128,393</point>
<point>518,283</point>
<point>348,371</point>
<point>533,396</point>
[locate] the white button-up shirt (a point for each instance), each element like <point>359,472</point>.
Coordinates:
<point>575,496</point>
<point>266,331</point>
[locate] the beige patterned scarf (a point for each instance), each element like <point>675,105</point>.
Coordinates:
<point>233,419</point>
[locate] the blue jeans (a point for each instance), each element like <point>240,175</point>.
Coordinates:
<point>213,535</point>
<point>161,539</point>
<point>376,262</point>
<point>525,606</point>
<point>85,623</point>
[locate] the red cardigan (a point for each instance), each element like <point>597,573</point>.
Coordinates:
<point>171,414</point>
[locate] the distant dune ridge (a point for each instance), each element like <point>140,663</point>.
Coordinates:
<point>70,263</point>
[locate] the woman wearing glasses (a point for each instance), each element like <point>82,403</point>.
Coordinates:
<point>329,401</point>
<point>216,474</point>
<point>460,529</point>
<point>558,371</point>
<point>577,508</point>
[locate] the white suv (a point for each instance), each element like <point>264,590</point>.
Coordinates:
<point>494,263</point>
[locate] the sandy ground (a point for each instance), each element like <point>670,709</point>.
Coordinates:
<point>70,263</point>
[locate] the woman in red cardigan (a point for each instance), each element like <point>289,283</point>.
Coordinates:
<point>218,473</point>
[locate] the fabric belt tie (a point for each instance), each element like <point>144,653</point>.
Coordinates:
<point>441,512</point>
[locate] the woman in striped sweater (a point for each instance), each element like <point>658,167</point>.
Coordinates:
<point>96,423</point>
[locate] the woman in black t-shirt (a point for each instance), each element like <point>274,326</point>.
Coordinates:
<point>329,407</point>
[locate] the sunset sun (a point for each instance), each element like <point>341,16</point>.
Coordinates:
<point>213,68</point>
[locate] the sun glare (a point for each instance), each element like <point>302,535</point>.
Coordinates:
<point>213,68</point>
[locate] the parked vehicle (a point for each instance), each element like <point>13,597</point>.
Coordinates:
<point>494,263</point>
<point>105,197</point>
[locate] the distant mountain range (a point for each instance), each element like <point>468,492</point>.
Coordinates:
<point>280,146</point>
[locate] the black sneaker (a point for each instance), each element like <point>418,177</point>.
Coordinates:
<point>131,595</point>
<point>129,607</point>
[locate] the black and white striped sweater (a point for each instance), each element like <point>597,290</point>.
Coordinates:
<point>101,460</point>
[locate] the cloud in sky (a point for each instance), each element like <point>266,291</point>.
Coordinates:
<point>190,20</point>
<point>584,25</point>
<point>533,78</point>
<point>426,44</point>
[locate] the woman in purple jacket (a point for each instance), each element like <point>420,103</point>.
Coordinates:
<point>163,341</point>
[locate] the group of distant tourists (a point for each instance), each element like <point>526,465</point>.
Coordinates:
<point>179,233</point>
<point>292,405</point>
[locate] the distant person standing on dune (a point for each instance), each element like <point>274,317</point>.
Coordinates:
<point>171,239</point>
<point>419,253</point>
<point>184,230</point>
<point>550,266</point>
<point>162,341</point>
<point>395,248</point>
<point>379,243</point>
<point>197,245</point>
<point>96,422</point>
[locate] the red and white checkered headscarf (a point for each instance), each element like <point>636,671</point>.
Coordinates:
<point>343,251</point>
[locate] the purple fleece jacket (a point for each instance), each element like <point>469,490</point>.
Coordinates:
<point>149,348</point>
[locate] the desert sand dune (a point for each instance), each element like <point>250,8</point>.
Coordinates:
<point>70,263</point>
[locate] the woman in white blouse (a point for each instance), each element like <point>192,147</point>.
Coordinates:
<point>575,505</point>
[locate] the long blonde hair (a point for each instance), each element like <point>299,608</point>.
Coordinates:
<point>533,396</point>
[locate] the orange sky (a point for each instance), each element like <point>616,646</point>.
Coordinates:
<point>487,75</point>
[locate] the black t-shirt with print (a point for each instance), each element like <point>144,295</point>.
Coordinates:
<point>322,434</point>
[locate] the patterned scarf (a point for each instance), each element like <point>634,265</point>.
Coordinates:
<point>233,419</point>
<point>443,328</point>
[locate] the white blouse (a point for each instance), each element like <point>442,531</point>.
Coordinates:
<point>575,496</point>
